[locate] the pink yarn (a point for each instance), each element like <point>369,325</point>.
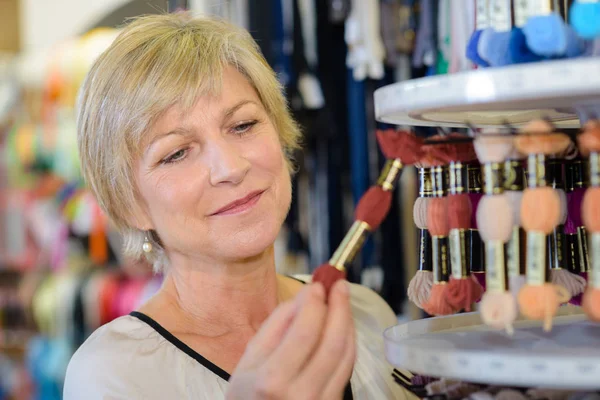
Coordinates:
<point>577,300</point>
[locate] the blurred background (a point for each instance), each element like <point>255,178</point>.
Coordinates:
<point>62,274</point>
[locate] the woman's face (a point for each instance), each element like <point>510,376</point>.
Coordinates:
<point>214,181</point>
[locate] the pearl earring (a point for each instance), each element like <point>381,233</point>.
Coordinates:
<point>147,246</point>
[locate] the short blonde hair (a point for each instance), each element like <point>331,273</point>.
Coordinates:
<point>159,61</point>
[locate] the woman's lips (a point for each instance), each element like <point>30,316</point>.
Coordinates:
<point>241,205</point>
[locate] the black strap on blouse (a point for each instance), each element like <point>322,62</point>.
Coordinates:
<point>195,355</point>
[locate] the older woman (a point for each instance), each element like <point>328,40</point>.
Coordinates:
<point>185,140</point>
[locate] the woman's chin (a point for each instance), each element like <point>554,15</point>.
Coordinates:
<point>249,244</point>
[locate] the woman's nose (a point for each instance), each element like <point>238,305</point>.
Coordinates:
<point>227,164</point>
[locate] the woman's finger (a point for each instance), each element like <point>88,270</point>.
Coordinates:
<point>325,362</point>
<point>301,338</point>
<point>340,378</point>
<point>269,336</point>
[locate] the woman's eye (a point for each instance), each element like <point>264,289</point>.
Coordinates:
<point>175,156</point>
<point>243,128</point>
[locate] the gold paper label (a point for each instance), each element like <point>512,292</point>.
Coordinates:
<point>438,179</point>
<point>458,253</point>
<point>458,175</point>
<point>425,184</point>
<point>474,178</point>
<point>536,258</point>
<point>495,274</point>
<point>513,253</point>
<point>513,175</point>
<point>492,178</point>
<point>595,270</point>
<point>389,175</point>
<point>594,168</point>
<point>350,245</point>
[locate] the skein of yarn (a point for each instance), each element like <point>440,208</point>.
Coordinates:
<point>463,289</point>
<point>419,287</point>
<point>494,218</point>
<point>559,273</point>
<point>437,221</point>
<point>399,147</point>
<point>589,144</point>
<point>540,213</point>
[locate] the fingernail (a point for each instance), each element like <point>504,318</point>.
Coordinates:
<point>343,287</point>
<point>318,290</point>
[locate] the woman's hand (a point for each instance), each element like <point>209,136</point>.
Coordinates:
<point>304,350</point>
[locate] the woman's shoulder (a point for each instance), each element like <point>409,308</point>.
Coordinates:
<point>125,358</point>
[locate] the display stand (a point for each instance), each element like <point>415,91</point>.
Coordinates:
<point>565,92</point>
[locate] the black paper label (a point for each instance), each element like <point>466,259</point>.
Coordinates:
<point>476,258</point>
<point>573,260</point>
<point>425,188</point>
<point>557,248</point>
<point>554,173</point>
<point>493,182</point>
<point>441,259</point>
<point>574,175</point>
<point>474,178</point>
<point>425,263</point>
<point>582,241</point>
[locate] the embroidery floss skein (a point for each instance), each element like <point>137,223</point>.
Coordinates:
<point>419,287</point>
<point>540,213</point>
<point>463,288</point>
<point>559,272</point>
<point>437,221</point>
<point>494,218</point>
<point>589,144</point>
<point>400,148</point>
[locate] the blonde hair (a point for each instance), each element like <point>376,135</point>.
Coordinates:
<point>156,62</point>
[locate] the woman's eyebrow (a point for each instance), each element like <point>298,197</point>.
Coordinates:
<point>231,110</point>
<point>177,131</point>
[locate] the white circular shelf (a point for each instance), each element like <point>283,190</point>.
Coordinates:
<point>563,91</point>
<point>460,347</point>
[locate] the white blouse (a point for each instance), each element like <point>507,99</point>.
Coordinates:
<point>133,358</point>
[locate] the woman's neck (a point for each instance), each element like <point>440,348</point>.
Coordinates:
<point>216,299</point>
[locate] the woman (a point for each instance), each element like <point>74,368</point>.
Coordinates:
<point>185,140</point>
